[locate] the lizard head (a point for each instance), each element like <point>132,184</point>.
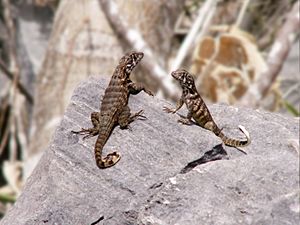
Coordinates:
<point>130,60</point>
<point>185,79</point>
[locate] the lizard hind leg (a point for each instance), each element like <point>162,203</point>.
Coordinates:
<point>90,132</point>
<point>126,118</point>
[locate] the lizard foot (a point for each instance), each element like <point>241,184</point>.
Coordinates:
<point>168,110</point>
<point>185,121</point>
<point>90,132</point>
<point>138,115</point>
<point>79,131</point>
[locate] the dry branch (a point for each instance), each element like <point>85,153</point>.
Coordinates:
<point>135,40</point>
<point>278,54</point>
<point>12,48</point>
<point>20,86</point>
<point>4,133</point>
<point>242,13</point>
<point>16,138</point>
<point>204,17</point>
<point>13,71</point>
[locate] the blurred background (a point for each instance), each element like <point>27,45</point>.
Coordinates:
<point>241,52</point>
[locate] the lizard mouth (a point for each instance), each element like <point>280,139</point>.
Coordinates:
<point>175,75</point>
<point>140,55</point>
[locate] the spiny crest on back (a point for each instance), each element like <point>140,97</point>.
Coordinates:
<point>185,79</point>
<point>129,61</point>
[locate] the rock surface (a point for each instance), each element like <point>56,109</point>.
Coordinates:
<point>151,184</point>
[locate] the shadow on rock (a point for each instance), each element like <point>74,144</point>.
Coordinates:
<point>217,153</point>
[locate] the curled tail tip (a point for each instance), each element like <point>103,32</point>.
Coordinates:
<point>108,161</point>
<point>246,133</point>
<point>236,142</point>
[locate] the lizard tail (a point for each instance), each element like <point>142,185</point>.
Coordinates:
<point>235,142</point>
<point>111,158</point>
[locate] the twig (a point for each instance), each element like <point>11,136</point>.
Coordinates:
<point>137,42</point>
<point>206,23</point>
<point>278,54</point>
<point>242,13</point>
<point>15,69</point>
<point>4,134</point>
<point>294,87</point>
<point>204,16</point>
<point>69,61</point>
<point>212,60</point>
<point>20,86</point>
<point>4,140</point>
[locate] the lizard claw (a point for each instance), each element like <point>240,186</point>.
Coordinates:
<point>138,115</point>
<point>86,136</point>
<point>185,121</point>
<point>168,110</point>
<point>128,127</point>
<point>141,117</point>
<point>82,131</point>
<point>148,92</point>
<point>86,132</point>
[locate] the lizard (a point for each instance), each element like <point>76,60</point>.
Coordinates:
<point>114,109</point>
<point>198,110</point>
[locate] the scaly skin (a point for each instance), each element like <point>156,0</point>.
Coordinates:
<point>114,108</point>
<point>198,109</point>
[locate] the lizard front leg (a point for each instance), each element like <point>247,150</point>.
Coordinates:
<point>179,104</point>
<point>135,88</point>
<point>90,132</point>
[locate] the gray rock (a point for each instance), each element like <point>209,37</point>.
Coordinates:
<point>151,183</point>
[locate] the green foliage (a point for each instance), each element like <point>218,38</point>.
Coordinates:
<point>7,198</point>
<point>291,109</point>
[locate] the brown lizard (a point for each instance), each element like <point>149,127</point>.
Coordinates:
<point>198,110</point>
<point>114,108</point>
